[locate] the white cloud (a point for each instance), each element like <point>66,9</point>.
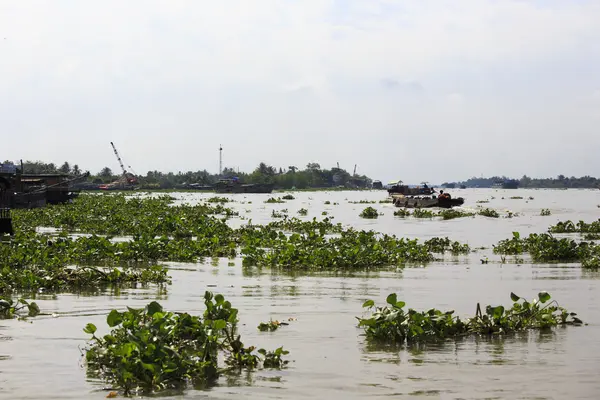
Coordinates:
<point>291,82</point>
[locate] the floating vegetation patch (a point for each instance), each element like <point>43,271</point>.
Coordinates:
<point>369,212</point>
<point>516,198</point>
<point>288,197</point>
<point>423,213</point>
<point>276,214</point>
<point>21,308</point>
<point>570,227</point>
<point>441,245</point>
<point>545,212</point>
<point>219,200</point>
<point>303,211</point>
<point>34,261</point>
<point>270,326</point>
<point>351,250</point>
<point>327,202</point>
<point>273,200</point>
<point>150,350</point>
<point>482,201</point>
<point>118,215</point>
<point>454,213</point>
<point>546,248</point>
<point>402,212</point>
<point>394,324</point>
<point>488,212</point>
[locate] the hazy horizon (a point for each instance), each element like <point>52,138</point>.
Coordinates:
<point>411,90</point>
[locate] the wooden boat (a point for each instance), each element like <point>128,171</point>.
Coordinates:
<point>399,188</point>
<point>235,186</point>
<point>37,190</point>
<point>426,202</point>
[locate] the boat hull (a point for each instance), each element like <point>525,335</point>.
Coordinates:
<point>427,202</point>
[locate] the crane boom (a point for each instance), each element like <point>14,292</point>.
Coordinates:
<point>119,158</point>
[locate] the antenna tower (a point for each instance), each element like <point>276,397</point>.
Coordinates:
<point>220,160</point>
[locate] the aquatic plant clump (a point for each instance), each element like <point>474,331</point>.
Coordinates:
<point>21,308</point>
<point>273,200</point>
<point>545,212</point>
<point>270,326</point>
<point>488,212</point>
<point>580,227</point>
<point>150,349</point>
<point>394,324</point>
<point>441,245</point>
<point>34,261</point>
<point>117,214</point>
<point>546,248</point>
<point>369,213</point>
<point>351,250</point>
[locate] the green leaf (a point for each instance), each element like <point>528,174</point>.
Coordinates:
<point>219,324</point>
<point>498,311</point>
<point>516,235</point>
<point>90,329</point>
<point>219,299</point>
<point>514,297</point>
<point>114,318</point>
<point>400,304</point>
<point>368,303</point>
<point>392,299</point>
<point>153,308</point>
<point>33,309</point>
<point>544,296</point>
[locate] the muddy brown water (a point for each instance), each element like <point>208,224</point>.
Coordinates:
<point>329,357</point>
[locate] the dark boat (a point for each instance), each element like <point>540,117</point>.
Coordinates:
<point>427,202</point>
<point>37,190</point>
<point>377,185</point>
<point>235,186</point>
<point>5,205</point>
<point>399,188</point>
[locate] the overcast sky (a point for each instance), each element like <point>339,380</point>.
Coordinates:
<point>415,90</point>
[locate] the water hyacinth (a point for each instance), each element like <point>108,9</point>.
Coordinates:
<point>150,349</point>
<point>392,323</point>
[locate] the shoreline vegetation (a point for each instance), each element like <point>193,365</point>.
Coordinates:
<point>312,177</point>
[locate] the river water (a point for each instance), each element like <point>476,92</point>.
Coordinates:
<point>329,357</point>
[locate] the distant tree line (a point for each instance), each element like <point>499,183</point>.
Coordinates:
<point>560,182</point>
<point>312,176</point>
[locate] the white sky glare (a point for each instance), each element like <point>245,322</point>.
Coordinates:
<point>412,90</point>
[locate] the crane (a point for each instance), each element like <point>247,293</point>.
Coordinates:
<point>129,177</point>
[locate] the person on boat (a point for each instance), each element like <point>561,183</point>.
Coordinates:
<point>443,195</point>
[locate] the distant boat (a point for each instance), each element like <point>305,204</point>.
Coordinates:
<point>233,185</point>
<point>399,188</point>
